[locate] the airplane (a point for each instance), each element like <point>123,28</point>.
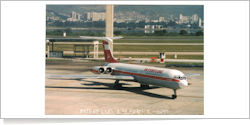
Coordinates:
<point>145,75</point>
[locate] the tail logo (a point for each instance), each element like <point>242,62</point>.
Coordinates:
<point>108,55</point>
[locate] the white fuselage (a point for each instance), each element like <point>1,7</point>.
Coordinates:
<point>148,75</point>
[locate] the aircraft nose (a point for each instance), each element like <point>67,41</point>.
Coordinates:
<point>184,83</point>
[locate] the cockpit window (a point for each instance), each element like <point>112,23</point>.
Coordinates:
<point>181,77</point>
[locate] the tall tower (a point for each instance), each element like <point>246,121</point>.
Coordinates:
<point>109,23</point>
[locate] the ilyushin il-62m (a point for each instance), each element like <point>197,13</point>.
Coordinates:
<point>145,75</point>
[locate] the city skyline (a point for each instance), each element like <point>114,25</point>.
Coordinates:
<point>140,19</point>
<point>126,13</point>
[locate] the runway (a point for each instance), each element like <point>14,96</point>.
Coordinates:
<point>97,96</point>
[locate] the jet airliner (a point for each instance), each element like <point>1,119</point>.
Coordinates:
<point>145,75</point>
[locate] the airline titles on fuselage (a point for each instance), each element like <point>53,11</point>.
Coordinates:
<point>153,70</point>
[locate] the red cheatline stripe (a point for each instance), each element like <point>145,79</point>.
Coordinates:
<point>94,70</point>
<point>149,76</point>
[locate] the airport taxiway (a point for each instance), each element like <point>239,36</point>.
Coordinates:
<point>97,96</point>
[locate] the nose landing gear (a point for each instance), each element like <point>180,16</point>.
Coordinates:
<point>174,96</point>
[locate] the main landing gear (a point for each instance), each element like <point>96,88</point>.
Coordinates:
<point>144,86</point>
<point>174,96</point>
<point>117,85</point>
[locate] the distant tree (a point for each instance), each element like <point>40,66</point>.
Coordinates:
<point>160,32</point>
<point>117,32</point>
<point>173,34</point>
<point>171,23</point>
<point>55,32</point>
<point>164,31</point>
<point>90,33</point>
<point>199,33</point>
<point>183,32</point>
<point>68,31</point>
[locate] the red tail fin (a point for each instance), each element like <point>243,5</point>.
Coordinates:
<point>106,41</point>
<point>108,53</point>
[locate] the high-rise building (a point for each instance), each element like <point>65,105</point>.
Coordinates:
<point>78,17</point>
<point>147,20</point>
<point>161,19</point>
<point>183,19</point>
<point>180,17</point>
<point>195,18</point>
<point>171,18</point>
<point>95,16</point>
<point>200,22</point>
<point>75,17</point>
<point>89,16</point>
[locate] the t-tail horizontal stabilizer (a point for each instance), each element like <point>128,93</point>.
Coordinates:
<point>106,41</point>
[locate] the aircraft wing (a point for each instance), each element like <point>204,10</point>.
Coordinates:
<point>114,77</point>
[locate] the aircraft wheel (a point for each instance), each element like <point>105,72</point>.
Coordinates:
<point>174,96</point>
<point>144,86</point>
<point>117,85</point>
